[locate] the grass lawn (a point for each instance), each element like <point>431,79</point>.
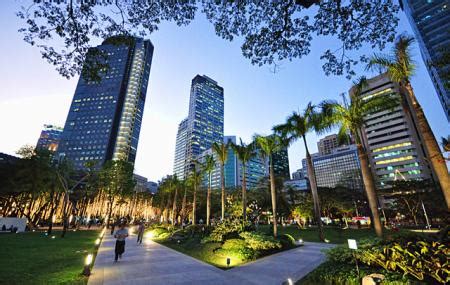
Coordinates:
<point>33,258</point>
<point>204,252</point>
<point>334,235</point>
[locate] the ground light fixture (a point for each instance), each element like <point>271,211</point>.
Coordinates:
<point>87,265</point>
<point>97,242</point>
<point>290,282</point>
<point>228,261</point>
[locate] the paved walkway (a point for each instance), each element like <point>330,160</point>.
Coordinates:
<point>152,263</point>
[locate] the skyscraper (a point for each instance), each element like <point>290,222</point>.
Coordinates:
<point>49,138</point>
<point>389,136</point>
<point>105,117</point>
<point>204,124</point>
<point>430,21</point>
<point>280,160</point>
<point>327,144</point>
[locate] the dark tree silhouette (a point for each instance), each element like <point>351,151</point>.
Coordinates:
<point>271,31</point>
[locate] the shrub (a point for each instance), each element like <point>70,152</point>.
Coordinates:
<point>258,241</point>
<point>226,229</point>
<point>340,254</point>
<point>237,248</point>
<point>287,241</point>
<point>419,258</point>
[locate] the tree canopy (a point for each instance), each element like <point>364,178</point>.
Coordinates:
<point>271,31</point>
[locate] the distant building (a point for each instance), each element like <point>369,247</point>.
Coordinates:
<point>180,162</point>
<point>299,174</point>
<point>141,183</point>
<point>8,159</point>
<point>281,164</point>
<point>339,168</point>
<point>152,187</point>
<point>105,117</point>
<point>430,21</point>
<point>255,169</point>
<point>297,184</point>
<point>390,138</point>
<point>203,126</point>
<point>327,144</point>
<point>49,138</point>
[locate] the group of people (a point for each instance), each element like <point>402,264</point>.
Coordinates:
<point>121,234</point>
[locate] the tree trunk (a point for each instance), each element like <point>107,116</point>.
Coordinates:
<point>65,216</point>
<point>432,150</point>
<point>244,193</point>
<point>273,194</point>
<point>174,206</point>
<point>208,200</point>
<point>194,204</point>
<point>369,186</point>
<point>183,206</point>
<point>315,194</point>
<point>222,182</point>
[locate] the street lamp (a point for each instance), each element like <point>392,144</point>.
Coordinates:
<point>87,265</point>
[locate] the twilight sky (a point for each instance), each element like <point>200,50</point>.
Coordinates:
<point>32,93</point>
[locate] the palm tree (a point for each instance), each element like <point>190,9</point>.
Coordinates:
<point>350,118</point>
<point>208,167</point>
<point>297,126</point>
<point>400,68</point>
<point>222,154</point>
<point>268,146</point>
<point>244,153</point>
<point>195,179</point>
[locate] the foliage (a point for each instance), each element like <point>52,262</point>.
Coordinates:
<point>237,248</point>
<point>420,259</point>
<point>271,31</point>
<point>258,241</point>
<point>226,229</point>
<point>287,241</point>
<point>331,272</point>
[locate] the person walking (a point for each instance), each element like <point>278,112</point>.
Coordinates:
<point>140,233</point>
<point>120,235</point>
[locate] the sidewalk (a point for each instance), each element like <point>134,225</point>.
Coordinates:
<point>152,263</point>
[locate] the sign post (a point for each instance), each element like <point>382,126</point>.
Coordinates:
<point>354,246</point>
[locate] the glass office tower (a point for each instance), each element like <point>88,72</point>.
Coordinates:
<point>339,168</point>
<point>280,160</point>
<point>203,126</point>
<point>105,117</point>
<point>430,21</point>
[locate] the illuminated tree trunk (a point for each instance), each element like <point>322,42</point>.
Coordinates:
<point>432,150</point>
<point>369,186</point>
<point>208,200</point>
<point>244,193</point>
<point>315,194</point>
<point>274,197</point>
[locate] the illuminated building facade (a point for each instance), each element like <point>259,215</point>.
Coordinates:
<point>105,116</point>
<point>389,136</point>
<point>49,138</point>
<point>430,21</point>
